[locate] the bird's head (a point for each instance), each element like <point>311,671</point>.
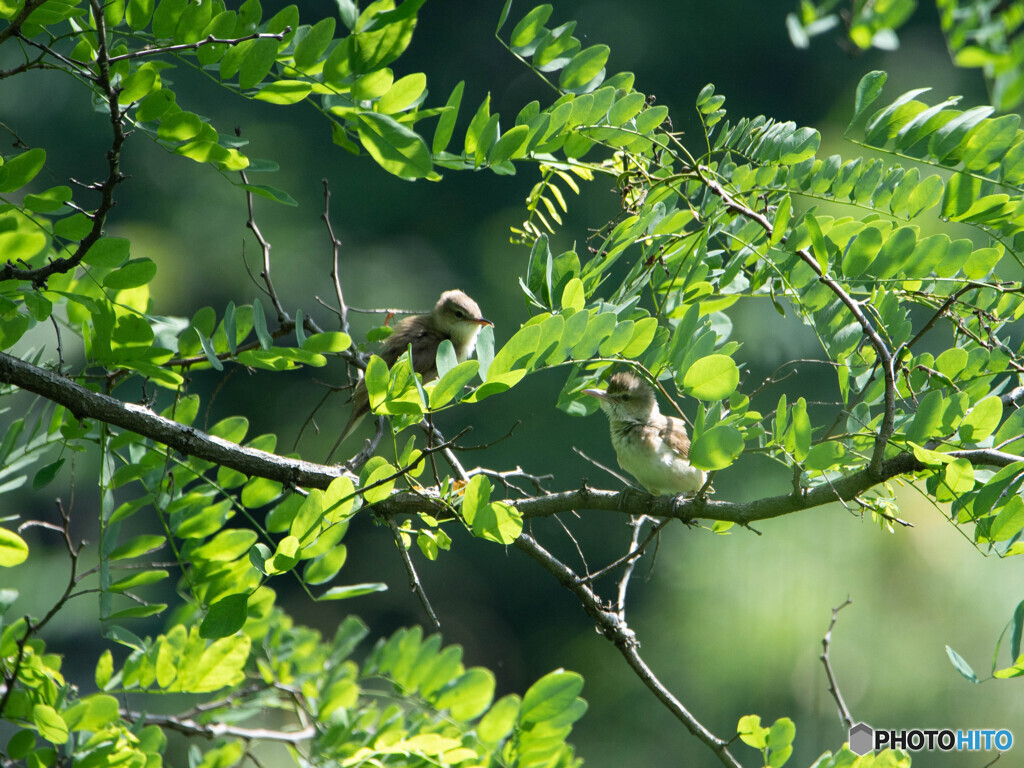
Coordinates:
<point>458,317</point>
<point>627,398</point>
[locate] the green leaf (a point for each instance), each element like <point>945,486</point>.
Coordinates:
<point>499,720</point>
<point>225,617</point>
<point>18,171</point>
<point>475,496</point>
<point>137,85</point>
<point>104,669</point>
<point>397,149</point>
<point>446,359</point>
<point>222,664</point>
<point>529,29</point>
<point>927,419</point>
<point>550,696</point>
<point>584,69</point>
<point>958,476</point>
<point>45,475</point>
<point>961,666</point>
<point>13,549</point>
<point>325,567</point>
<point>257,62</point>
<point>378,474</point>
<point>509,145</point>
<point>1008,522</point>
<point>824,456</point>
<point>312,46</point>
<point>353,590</point>
<point>284,92</point>
<point>862,251</point>
<point>50,200</point>
<point>868,90</point>
<point>133,274</point>
<point>714,377</point>
<point>452,382</point>
<point>138,546</point>
<point>469,695</point>
<point>210,351</point>
<point>330,342</point>
<point>752,733</point>
<point>446,122</point>
<point>989,141</point>
<point>982,420</point>
<point>108,252</point>
<point>50,724</point>
<point>801,428</point>
<point>92,713</point>
<point>259,491</point>
<point>517,351</point>
<point>406,92</point>
<point>180,126</point>
<point>498,522</point>
<point>140,579</point>
<point>286,555</point>
<point>716,448</point>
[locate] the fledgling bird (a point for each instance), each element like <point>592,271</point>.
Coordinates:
<point>653,448</point>
<point>455,317</point>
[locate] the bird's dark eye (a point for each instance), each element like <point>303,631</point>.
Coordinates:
<point>625,396</point>
<point>460,314</point>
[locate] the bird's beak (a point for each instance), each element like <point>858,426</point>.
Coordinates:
<point>481,321</point>
<point>598,393</point>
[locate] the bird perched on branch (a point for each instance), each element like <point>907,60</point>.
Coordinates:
<point>653,448</point>
<point>455,317</point>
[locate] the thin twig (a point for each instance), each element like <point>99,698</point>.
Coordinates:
<point>208,40</point>
<point>282,316</point>
<point>190,727</point>
<point>833,686</point>
<point>621,478</point>
<point>335,249</point>
<point>633,554</point>
<point>414,580</point>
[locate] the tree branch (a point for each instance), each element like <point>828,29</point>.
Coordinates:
<point>190,727</point>
<point>84,403</point>
<point>833,687</point>
<point>885,357</point>
<point>618,632</point>
<point>208,40</point>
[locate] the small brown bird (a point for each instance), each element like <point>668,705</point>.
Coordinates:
<point>653,448</point>
<point>455,317</point>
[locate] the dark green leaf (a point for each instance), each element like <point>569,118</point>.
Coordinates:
<point>225,617</point>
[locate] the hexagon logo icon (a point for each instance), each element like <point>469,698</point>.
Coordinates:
<point>861,739</point>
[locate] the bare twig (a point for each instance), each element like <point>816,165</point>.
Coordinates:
<point>190,727</point>
<point>635,553</point>
<point>624,639</point>
<point>414,580</point>
<point>38,276</point>
<point>208,40</point>
<point>335,249</point>
<point>621,478</point>
<point>833,686</point>
<point>282,315</point>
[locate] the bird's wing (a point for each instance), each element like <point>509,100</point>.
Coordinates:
<point>424,340</point>
<point>674,434</point>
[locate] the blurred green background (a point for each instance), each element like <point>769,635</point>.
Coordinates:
<point>732,624</point>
